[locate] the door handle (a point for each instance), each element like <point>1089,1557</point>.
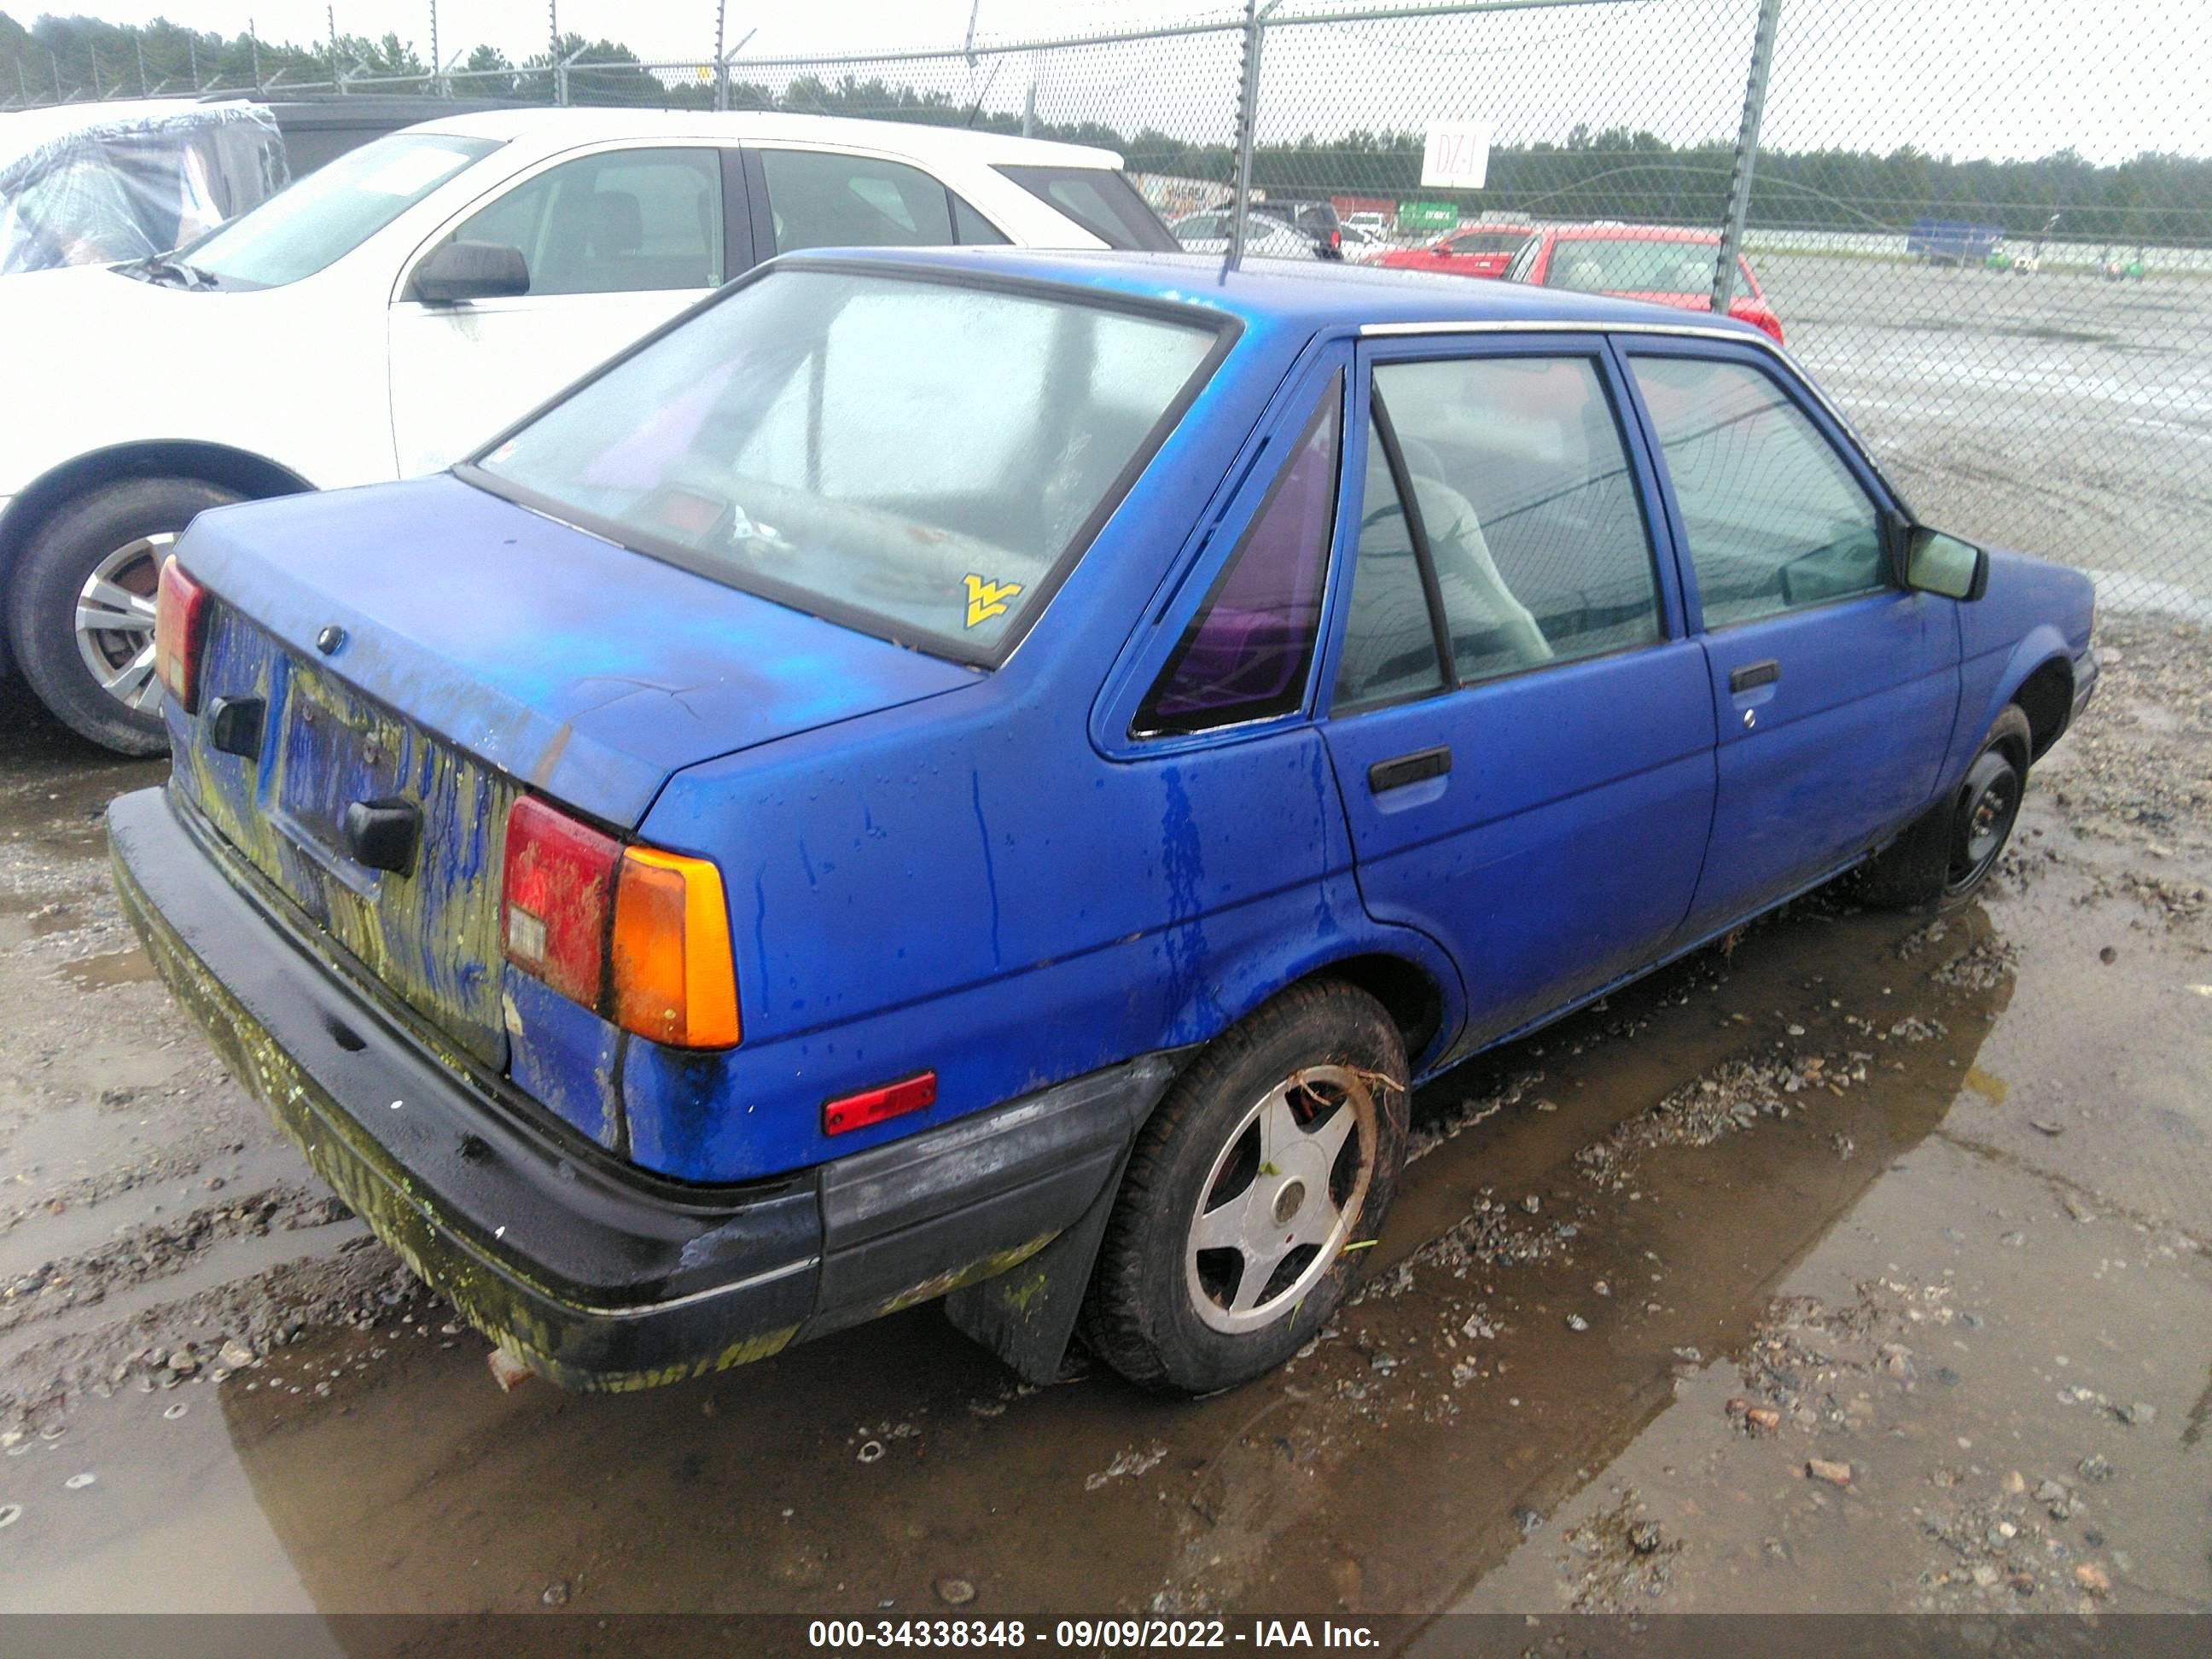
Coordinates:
<point>1753,674</point>
<point>1416,767</point>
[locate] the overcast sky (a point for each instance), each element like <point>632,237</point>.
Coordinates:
<point>1968,77</point>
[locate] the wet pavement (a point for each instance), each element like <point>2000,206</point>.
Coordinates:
<point>1858,1264</point>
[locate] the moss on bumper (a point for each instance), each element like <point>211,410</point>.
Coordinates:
<point>526,1318</point>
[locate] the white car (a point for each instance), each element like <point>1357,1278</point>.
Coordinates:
<point>393,311</point>
<point>1264,238</point>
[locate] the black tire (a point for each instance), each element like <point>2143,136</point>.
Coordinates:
<point>1302,1051</point>
<point>59,559</point>
<point>1947,855</point>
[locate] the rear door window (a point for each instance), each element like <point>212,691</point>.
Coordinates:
<point>820,198</point>
<point>1525,505</point>
<point>1389,651</point>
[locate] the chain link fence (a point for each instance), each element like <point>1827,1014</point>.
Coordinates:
<point>1985,226</point>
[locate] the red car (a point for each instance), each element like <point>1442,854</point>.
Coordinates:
<point>1639,261</point>
<point>1478,251</point>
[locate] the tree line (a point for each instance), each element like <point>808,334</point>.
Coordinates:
<point>1618,173</point>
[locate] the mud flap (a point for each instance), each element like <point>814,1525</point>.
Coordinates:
<point>1027,1316</point>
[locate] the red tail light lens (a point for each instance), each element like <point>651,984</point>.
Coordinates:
<point>641,938</point>
<point>1336,239</point>
<point>874,1105</point>
<point>180,628</point>
<point>556,899</point>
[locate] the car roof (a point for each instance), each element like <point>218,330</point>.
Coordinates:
<point>907,137</point>
<point>1633,233</point>
<point>1307,294</point>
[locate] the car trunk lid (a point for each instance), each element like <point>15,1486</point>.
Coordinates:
<point>430,646</point>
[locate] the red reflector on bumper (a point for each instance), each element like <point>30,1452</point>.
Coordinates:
<point>874,1105</point>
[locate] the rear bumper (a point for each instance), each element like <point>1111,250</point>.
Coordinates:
<point>594,1275</point>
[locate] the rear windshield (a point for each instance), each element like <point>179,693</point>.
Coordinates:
<point>912,458</point>
<point>1626,264</point>
<point>1103,202</point>
<point>1489,241</point>
<point>334,211</point>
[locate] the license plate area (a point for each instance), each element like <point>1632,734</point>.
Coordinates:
<point>336,750</point>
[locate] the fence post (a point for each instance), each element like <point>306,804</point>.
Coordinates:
<point>1247,120</point>
<point>1746,154</point>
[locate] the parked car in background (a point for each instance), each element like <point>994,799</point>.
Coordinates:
<point>83,184</point>
<point>1653,263</point>
<point>1363,246</point>
<point>1265,237</point>
<point>97,184</point>
<point>418,294</point>
<point>1375,225</point>
<point>1952,241</point>
<point>1292,681</point>
<point>1317,220</point>
<point>1477,251</point>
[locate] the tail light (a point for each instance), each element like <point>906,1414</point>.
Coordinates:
<point>673,980</point>
<point>1336,241</point>
<point>180,629</point>
<point>639,937</point>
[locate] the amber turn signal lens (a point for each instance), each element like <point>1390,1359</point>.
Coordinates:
<point>674,980</point>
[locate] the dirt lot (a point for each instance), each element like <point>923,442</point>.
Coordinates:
<point>1862,1266</point>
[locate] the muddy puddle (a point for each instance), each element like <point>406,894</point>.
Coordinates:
<point>1589,1245</point>
<point>1859,1266</point>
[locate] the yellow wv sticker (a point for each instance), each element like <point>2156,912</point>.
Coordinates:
<point>988,599</point>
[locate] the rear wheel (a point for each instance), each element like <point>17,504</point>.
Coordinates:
<point>1945,858</point>
<point>82,615</point>
<point>1231,1239</point>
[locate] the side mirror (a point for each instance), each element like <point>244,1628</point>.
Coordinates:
<point>456,271</point>
<point>1937,563</point>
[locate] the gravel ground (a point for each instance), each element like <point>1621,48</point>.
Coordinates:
<point>1857,1264</point>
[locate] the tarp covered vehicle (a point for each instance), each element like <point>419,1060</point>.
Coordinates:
<point>99,184</point>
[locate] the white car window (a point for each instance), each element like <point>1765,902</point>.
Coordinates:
<point>627,222</point>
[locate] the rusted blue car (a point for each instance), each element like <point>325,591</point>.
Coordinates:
<point>990,776</point>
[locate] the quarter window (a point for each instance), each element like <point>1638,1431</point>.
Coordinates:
<point>1245,654</point>
<point>1775,520</point>
<point>624,222</point>
<point>1524,506</point>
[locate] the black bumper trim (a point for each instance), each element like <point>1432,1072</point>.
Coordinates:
<point>596,1279</point>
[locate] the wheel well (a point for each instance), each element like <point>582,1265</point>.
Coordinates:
<point>2046,697</point>
<point>249,475</point>
<point>1405,991</point>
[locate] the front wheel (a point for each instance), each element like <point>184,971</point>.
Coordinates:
<point>1946,857</point>
<point>81,614</point>
<point>1251,1194</point>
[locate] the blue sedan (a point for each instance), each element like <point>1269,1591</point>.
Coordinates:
<point>986,776</point>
